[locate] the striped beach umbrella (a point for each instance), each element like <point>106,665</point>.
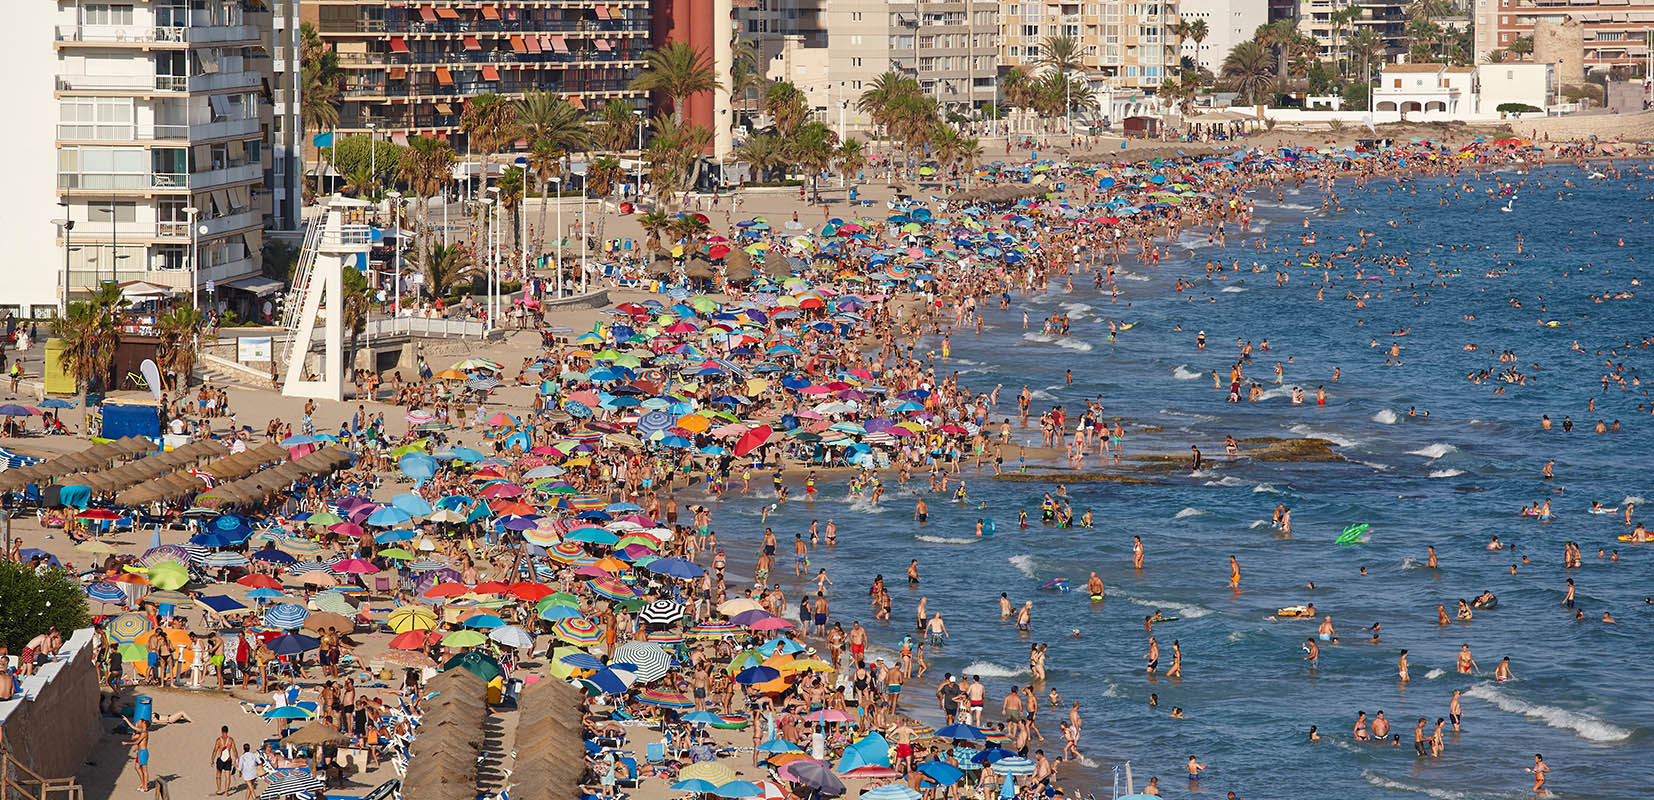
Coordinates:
<point>651,661</point>
<point>716,773</point>
<point>166,552</point>
<point>543,538</point>
<point>714,630</point>
<point>224,559</point>
<point>126,628</point>
<point>664,637</point>
<point>105,592</point>
<point>611,588</point>
<point>578,630</point>
<point>565,552</point>
<point>301,567</point>
<point>297,546</point>
<point>286,616</point>
<point>168,596</point>
<point>1014,765</point>
<point>665,699</point>
<point>661,612</point>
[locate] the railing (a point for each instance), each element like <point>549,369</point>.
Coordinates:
<point>16,778</point>
<point>421,326</point>
<point>461,57</point>
<point>229,174</point>
<point>224,80</point>
<point>172,228</point>
<point>348,236</point>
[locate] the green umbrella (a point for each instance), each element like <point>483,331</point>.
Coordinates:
<point>558,599</point>
<point>134,652</point>
<point>476,663</point>
<point>396,553</point>
<point>324,519</point>
<point>702,303</point>
<point>165,575</point>
<point>466,638</point>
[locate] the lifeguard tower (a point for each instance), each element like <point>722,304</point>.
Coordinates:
<point>337,240</point>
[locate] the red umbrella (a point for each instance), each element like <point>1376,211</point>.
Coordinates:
<point>98,513</point>
<point>447,589</point>
<point>490,587</point>
<point>412,640</point>
<point>257,581</point>
<point>350,529</point>
<point>752,440</point>
<point>719,251</point>
<point>530,591</point>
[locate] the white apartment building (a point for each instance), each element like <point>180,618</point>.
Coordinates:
<point>1228,23</point>
<point>144,123</point>
<point>1129,43</point>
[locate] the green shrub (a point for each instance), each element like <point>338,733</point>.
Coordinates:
<point>34,603</point>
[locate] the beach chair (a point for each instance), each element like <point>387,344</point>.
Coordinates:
<point>655,753</point>
<point>631,769</point>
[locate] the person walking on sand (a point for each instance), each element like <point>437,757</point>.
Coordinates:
<point>223,756</point>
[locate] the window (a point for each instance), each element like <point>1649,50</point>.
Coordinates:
<point>170,257</point>
<point>102,168</point>
<point>105,14</point>
<point>101,213</point>
<point>1030,32</point>
<point>95,118</point>
<point>1015,51</point>
<point>855,62</point>
<point>855,16</point>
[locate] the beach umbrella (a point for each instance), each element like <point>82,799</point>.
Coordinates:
<point>813,774</point>
<point>463,639</point>
<point>168,575</point>
<point>289,712</point>
<point>651,661</point>
<point>105,592</point>
<point>676,568</point>
<point>224,559</point>
<point>661,612</point>
<point>1014,765</point>
<point>702,718</point>
<point>753,676</point>
<point>941,771</point>
<point>776,746</point>
<point>553,613</point>
<point>286,616</point>
<point>512,636</point>
<point>695,785</point>
<point>991,755</point>
<point>730,608</point>
<point>409,618</point>
<point>664,698</point>
<point>611,588</point>
<point>890,791</point>
<point>126,628</point>
<point>388,516</point>
<point>962,731</point>
<point>476,663</point>
<point>741,789</point>
<point>483,621</point>
<point>713,630</point>
<point>716,773</point>
<point>577,631</point>
<point>292,644</point>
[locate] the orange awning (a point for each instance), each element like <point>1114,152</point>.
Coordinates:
<point>490,12</point>
<point>489,73</point>
<point>614,13</point>
<point>602,12</point>
<point>444,77</point>
<point>444,108</point>
<point>447,13</point>
<point>603,44</point>
<point>533,44</point>
<point>471,43</point>
<point>577,102</point>
<point>517,45</point>
<point>399,44</point>
<point>399,73</point>
<point>427,13</point>
<point>559,44</point>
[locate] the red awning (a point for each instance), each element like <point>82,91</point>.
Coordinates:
<point>399,73</point>
<point>533,44</point>
<point>447,13</point>
<point>517,45</point>
<point>603,44</point>
<point>490,12</point>
<point>444,77</point>
<point>399,44</point>
<point>559,44</point>
<point>471,43</point>
<point>427,13</point>
<point>576,102</point>
<point>602,12</point>
<point>489,73</point>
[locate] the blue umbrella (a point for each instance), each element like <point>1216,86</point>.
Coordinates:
<point>271,555</point>
<point>419,466</point>
<point>292,644</point>
<point>704,718</point>
<point>776,745</point>
<point>287,616</point>
<point>214,539</point>
<point>675,567</point>
<point>53,402</point>
<point>604,682</point>
<point>580,660</point>
<point>389,516</point>
<point>296,441</point>
<point>890,791</point>
<point>695,785</point>
<point>991,755</point>
<point>412,503</point>
<point>221,603</point>
<point>288,712</point>
<point>735,789</point>
<point>105,592</point>
<point>961,731</point>
<point>394,535</point>
<point>753,676</point>
<point>942,772</point>
<point>224,559</point>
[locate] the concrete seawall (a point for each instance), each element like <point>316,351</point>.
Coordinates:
<point>52,724</point>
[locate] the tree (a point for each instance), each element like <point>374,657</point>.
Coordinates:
<point>811,147</point>
<point>785,104</point>
<point>90,331</point>
<point>1060,54</point>
<point>881,98</point>
<point>849,158</point>
<point>427,166</point>
<point>444,267</point>
<point>1278,36</point>
<point>1341,19</point>
<point>678,71</point>
<point>1181,91</point>
<point>377,158</point>
<point>764,152</point>
<point>1198,31</point>
<point>179,331</point>
<point>617,128</point>
<point>547,162</point>
<point>1495,56</point>
<point>1521,47</point>
<point>654,224</point>
<point>1366,45</point>
<point>1249,66</point>
<point>355,303</point>
<point>602,175</point>
<point>36,603</point>
<point>511,184</point>
<point>319,87</point>
<point>278,260</point>
<point>1016,87</point>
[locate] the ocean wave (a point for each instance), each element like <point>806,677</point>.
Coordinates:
<point>1041,394</point>
<point>1385,417</point>
<point>1187,512</point>
<point>1188,415</point>
<point>988,669</point>
<point>1434,674</point>
<point>1260,523</point>
<point>1375,465</point>
<point>1076,309</point>
<point>1270,488</point>
<point>1036,336</point>
<point>1311,433</point>
<point>1229,481</point>
<point>1203,473</point>
<point>1183,373</point>
<point>1235,636</point>
<point>1181,610</point>
<point>1278,391</point>
<point>1436,450</point>
<point>1024,564</point>
<point>1070,343</point>
<point>1633,499</point>
<point>948,539</point>
<point>865,505</point>
<point>1129,276</point>
<point>1446,473</point>
<point>1372,777</point>
<point>1584,725</point>
<point>1232,289</point>
<point>1111,689</point>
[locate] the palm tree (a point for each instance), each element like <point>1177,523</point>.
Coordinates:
<point>971,154</point>
<point>602,175</point>
<point>850,158</point>
<point>90,331</point>
<point>1251,69</point>
<point>1341,19</point>
<point>444,267</point>
<point>1365,44</point>
<point>355,304</point>
<point>1180,30</point>
<point>1061,54</point>
<point>1198,31</point>
<point>546,161</point>
<point>318,87</point>
<point>883,95</point>
<point>811,147</point>
<point>785,104</point>
<point>1521,47</point>
<point>763,152</point>
<point>1016,88</point>
<point>617,128</point>
<point>489,121</point>
<point>1181,91</point>
<point>1278,36</point>
<point>427,167</point>
<point>360,183</point>
<point>678,71</point>
<point>654,224</point>
<point>179,331</point>
<point>511,184</point>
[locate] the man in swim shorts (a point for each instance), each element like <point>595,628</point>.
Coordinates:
<point>140,742</point>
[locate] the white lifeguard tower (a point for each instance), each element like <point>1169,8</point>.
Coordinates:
<point>334,241</point>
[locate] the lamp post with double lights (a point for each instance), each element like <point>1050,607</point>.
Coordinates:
<point>396,225</point>
<point>557,181</point>
<point>64,226</point>
<point>195,274</point>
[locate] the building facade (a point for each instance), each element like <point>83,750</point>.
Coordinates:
<point>409,67</point>
<point>1426,89</point>
<point>1128,45</point>
<point>1228,23</point>
<point>156,116</point>
<point>1599,34</point>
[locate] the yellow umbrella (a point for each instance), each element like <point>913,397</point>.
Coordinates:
<point>94,546</point>
<point>412,618</point>
<point>712,772</point>
<point>757,386</point>
<point>808,665</point>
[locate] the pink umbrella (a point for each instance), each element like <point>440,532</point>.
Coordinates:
<point>350,529</point>
<point>502,490</point>
<point>771,624</point>
<point>354,566</point>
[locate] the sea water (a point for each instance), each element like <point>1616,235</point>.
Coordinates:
<point>1454,480</point>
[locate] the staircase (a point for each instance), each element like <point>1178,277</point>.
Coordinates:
<point>212,369</point>
<point>292,309</point>
<point>19,781</point>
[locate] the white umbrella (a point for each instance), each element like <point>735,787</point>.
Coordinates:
<point>651,661</point>
<point>512,636</point>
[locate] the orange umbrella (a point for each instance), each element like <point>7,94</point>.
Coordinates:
<point>611,564</point>
<point>130,577</point>
<point>694,422</point>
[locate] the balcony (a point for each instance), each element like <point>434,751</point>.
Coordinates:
<point>212,178</point>
<point>104,132</point>
<point>149,83</point>
<point>219,226</point>
<point>147,35</point>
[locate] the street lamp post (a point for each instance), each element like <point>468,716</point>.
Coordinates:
<point>64,226</point>
<point>195,275</point>
<point>637,166</point>
<point>396,224</point>
<point>373,157</point>
<point>583,235</point>
<point>557,181</point>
